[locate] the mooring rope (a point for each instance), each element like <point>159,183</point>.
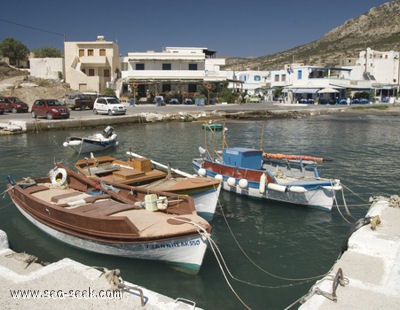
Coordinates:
<point>205,234</point>
<point>303,280</point>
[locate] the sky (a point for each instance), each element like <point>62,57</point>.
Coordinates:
<point>247,28</point>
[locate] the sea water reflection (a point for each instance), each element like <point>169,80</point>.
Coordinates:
<point>280,241</point>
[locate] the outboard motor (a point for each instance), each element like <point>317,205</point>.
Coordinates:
<point>108,131</point>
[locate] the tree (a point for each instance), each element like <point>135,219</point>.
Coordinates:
<point>47,51</point>
<point>14,50</point>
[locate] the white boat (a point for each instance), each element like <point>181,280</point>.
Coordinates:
<point>93,143</point>
<point>205,196</point>
<point>246,171</point>
<point>151,175</point>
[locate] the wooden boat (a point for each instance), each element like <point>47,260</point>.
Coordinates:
<point>148,174</point>
<point>93,143</point>
<point>246,172</point>
<point>122,221</point>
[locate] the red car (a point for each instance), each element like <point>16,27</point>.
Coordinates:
<point>14,105</point>
<point>49,108</point>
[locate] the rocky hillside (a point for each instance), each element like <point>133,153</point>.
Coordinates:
<point>378,29</point>
<point>14,82</point>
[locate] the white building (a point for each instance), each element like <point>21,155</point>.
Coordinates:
<point>92,65</point>
<point>248,81</point>
<point>177,70</point>
<point>47,68</point>
<point>381,68</point>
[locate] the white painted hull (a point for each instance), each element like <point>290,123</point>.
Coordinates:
<point>184,252</point>
<point>206,202</point>
<point>320,197</point>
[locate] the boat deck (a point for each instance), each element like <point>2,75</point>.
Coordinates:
<point>148,223</point>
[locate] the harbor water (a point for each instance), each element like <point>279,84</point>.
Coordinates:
<point>273,251</point>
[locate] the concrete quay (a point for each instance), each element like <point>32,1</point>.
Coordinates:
<point>26,284</point>
<point>149,113</point>
<point>367,275</point>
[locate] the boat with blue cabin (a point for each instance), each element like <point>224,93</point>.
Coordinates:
<point>246,171</point>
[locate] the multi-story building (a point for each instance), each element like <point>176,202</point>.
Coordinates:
<point>178,70</point>
<point>92,65</point>
<point>381,68</point>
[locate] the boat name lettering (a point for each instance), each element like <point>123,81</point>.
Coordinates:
<point>174,244</point>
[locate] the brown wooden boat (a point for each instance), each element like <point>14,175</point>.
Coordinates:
<point>148,174</point>
<point>120,220</point>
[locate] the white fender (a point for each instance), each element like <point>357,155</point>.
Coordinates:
<point>297,189</point>
<point>276,187</point>
<point>219,177</point>
<point>337,187</point>
<point>243,183</point>
<point>263,182</point>
<point>58,176</point>
<point>202,172</point>
<point>231,181</point>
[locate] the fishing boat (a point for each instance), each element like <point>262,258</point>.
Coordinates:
<point>93,143</point>
<point>212,126</point>
<point>151,175</point>
<point>120,221</point>
<point>249,172</point>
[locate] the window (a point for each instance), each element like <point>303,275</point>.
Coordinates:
<point>257,78</point>
<point>102,52</point>
<point>166,66</point>
<point>139,66</point>
<point>192,88</point>
<point>276,77</point>
<point>299,74</point>
<point>166,87</point>
<point>283,77</point>
<point>90,52</point>
<point>106,72</point>
<point>91,72</point>
<point>81,52</point>
<point>193,67</point>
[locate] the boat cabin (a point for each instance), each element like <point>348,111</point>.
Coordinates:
<point>243,157</point>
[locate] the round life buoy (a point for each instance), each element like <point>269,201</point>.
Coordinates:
<point>58,176</point>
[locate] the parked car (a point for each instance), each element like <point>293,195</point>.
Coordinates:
<point>188,101</point>
<point>49,108</point>
<point>1,109</point>
<point>173,101</point>
<point>14,105</point>
<point>81,101</point>
<point>108,105</point>
<point>254,99</point>
<point>159,100</point>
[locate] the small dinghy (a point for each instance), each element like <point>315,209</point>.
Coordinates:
<point>93,143</point>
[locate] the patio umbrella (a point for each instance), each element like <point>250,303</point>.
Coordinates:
<point>327,91</point>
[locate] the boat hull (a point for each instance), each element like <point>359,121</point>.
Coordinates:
<point>86,146</point>
<point>206,202</point>
<point>185,253</point>
<point>316,194</point>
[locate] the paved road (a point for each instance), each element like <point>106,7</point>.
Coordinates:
<point>151,108</point>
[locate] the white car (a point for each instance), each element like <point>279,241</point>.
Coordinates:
<point>108,105</point>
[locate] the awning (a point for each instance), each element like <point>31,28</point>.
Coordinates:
<point>301,90</point>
